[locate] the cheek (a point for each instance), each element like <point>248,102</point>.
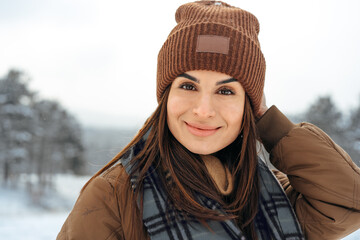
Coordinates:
<point>176,107</point>
<point>233,115</point>
<point>172,108</point>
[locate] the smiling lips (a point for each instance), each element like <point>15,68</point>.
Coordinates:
<point>201,130</point>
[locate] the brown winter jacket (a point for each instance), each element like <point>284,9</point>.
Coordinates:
<point>319,178</point>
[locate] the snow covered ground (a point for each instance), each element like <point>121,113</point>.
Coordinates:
<point>20,219</point>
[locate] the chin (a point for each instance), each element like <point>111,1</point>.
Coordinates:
<point>201,150</point>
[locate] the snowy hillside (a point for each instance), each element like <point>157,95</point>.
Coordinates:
<point>21,219</point>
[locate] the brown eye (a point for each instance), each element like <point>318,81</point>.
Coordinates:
<point>187,86</point>
<point>225,91</point>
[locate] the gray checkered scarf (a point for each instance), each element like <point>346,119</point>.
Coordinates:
<point>274,220</point>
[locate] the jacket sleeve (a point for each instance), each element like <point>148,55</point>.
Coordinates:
<point>318,176</point>
<point>95,214</point>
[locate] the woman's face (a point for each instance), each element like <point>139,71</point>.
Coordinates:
<point>205,110</point>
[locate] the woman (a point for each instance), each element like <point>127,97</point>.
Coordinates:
<point>192,171</point>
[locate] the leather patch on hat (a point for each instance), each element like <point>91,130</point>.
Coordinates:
<point>213,44</point>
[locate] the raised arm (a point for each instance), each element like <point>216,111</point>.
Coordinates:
<point>318,176</point>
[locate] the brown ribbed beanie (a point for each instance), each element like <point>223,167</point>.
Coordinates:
<point>212,35</point>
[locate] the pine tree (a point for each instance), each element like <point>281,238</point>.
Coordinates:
<point>36,136</point>
<point>353,134</point>
<point>324,114</point>
<point>15,115</point>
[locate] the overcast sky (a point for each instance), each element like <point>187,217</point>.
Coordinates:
<point>98,57</point>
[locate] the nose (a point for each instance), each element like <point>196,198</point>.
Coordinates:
<point>204,107</point>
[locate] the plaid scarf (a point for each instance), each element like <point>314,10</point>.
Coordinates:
<point>274,220</point>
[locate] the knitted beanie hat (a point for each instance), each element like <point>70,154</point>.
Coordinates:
<point>212,35</point>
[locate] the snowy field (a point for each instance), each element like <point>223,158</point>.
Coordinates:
<point>19,219</point>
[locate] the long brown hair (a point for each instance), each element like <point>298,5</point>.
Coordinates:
<point>189,174</point>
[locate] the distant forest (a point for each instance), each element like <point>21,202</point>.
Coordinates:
<point>38,137</point>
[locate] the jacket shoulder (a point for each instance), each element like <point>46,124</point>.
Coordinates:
<point>96,213</point>
<point>115,175</point>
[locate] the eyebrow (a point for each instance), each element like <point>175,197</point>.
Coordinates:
<point>185,75</point>
<point>189,77</point>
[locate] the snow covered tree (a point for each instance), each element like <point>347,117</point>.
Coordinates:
<point>353,134</point>
<point>69,141</point>
<point>15,115</point>
<point>324,114</point>
<point>57,143</point>
<point>36,136</point>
